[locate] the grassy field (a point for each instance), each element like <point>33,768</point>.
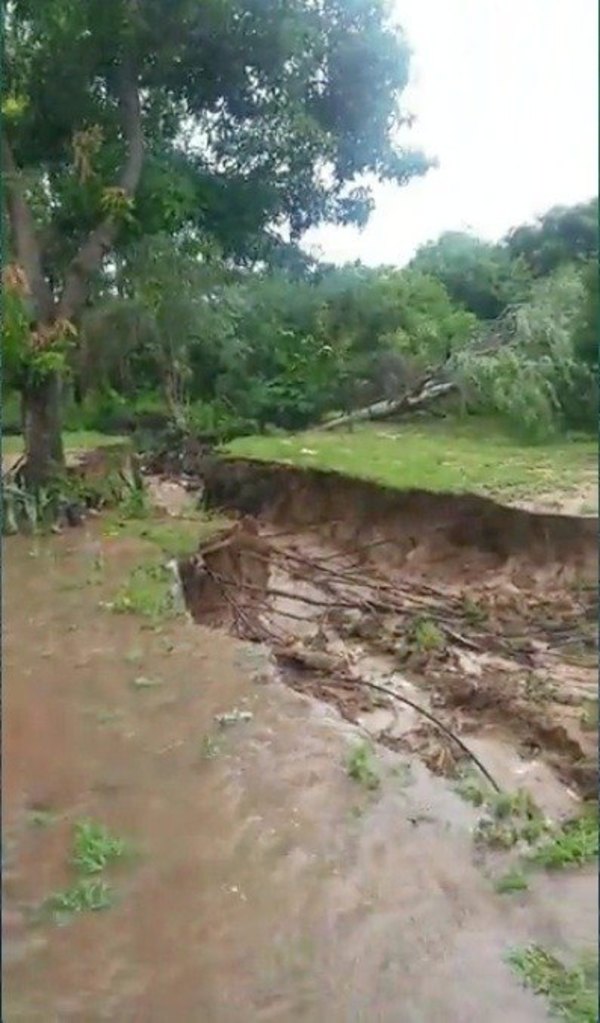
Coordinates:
<point>438,455</point>
<point>441,455</point>
<point>82,440</point>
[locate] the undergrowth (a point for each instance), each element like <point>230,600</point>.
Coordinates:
<point>573,844</point>
<point>150,591</point>
<point>572,994</point>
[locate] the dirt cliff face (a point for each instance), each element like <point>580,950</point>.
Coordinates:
<point>441,535</point>
<point>479,612</point>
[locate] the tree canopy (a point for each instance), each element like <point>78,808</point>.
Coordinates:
<point>237,119</point>
<point>562,235</point>
<point>240,122</point>
<point>481,276</point>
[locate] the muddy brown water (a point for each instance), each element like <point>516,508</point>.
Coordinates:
<point>267,885</point>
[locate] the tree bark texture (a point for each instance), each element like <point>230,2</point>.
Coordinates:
<point>43,431</point>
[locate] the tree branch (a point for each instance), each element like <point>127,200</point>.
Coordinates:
<point>90,255</point>
<point>25,239</point>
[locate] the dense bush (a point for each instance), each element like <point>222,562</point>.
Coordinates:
<point>180,335</point>
<point>218,348</point>
<point>539,384</point>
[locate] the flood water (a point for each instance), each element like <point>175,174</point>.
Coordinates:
<point>266,884</point>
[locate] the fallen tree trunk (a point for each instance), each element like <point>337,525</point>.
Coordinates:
<point>428,392</point>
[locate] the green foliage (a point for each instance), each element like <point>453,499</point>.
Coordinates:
<point>84,895</point>
<point>512,881</point>
<point>27,510</point>
<point>425,636</point>
<point>573,844</point>
<point>94,848</point>
<point>587,325</point>
<point>233,353</point>
<point>571,993</point>
<point>510,817</point>
<point>538,385</point>
<point>15,334</point>
<point>275,92</point>
<point>360,766</point>
<point>565,234</point>
<point>478,275</point>
<point>148,592</point>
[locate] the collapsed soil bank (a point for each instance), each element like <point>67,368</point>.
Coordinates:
<point>475,609</point>
<point>417,531</point>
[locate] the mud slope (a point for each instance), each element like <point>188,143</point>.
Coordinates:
<point>417,531</point>
<point>478,612</point>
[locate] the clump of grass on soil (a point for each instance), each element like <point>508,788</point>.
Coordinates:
<point>572,994</point>
<point>149,591</point>
<point>360,766</point>
<point>509,817</point>
<point>176,537</point>
<point>513,881</point>
<point>573,844</point>
<point>425,636</point>
<point>95,850</point>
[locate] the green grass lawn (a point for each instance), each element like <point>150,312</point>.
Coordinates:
<point>81,440</point>
<point>439,455</point>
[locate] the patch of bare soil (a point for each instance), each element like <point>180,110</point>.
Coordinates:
<point>479,620</point>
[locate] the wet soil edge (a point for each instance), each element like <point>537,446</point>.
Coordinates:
<point>350,508</point>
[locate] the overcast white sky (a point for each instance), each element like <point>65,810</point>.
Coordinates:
<point>506,96</point>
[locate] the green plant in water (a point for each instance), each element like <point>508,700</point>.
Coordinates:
<point>150,591</point>
<point>470,788</point>
<point>572,994</point>
<point>510,817</point>
<point>95,848</point>
<point>360,766</point>
<point>84,895</point>
<point>572,845</point>
<point>513,881</point>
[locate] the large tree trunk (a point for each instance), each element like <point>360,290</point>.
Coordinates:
<point>42,403</point>
<point>44,451</point>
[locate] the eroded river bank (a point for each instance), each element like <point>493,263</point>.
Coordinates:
<point>267,883</point>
